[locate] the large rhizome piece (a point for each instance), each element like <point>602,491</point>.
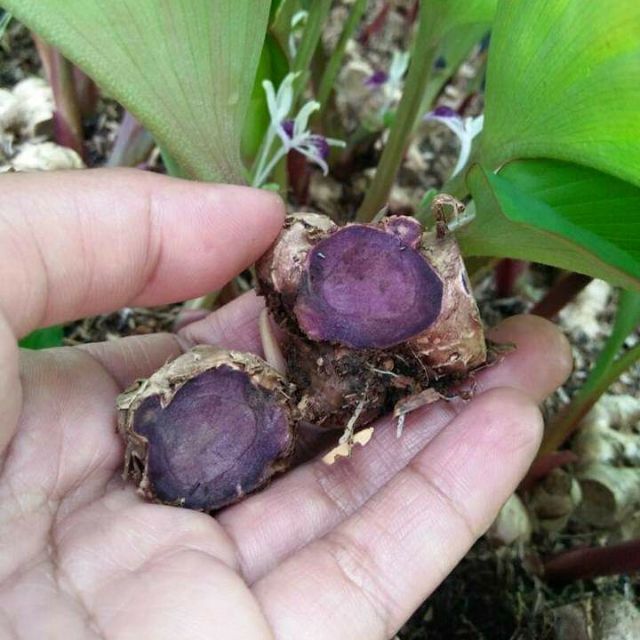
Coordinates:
<point>373,318</point>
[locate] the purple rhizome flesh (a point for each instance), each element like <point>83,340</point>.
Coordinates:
<point>215,435</point>
<point>366,288</point>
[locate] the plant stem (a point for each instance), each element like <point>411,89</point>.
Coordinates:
<point>67,120</point>
<point>603,374</point>
<point>563,291</point>
<point>86,92</point>
<point>375,25</point>
<point>593,562</point>
<point>601,377</point>
<point>133,144</point>
<point>544,465</point>
<point>421,64</point>
<point>310,37</point>
<point>333,66</point>
<point>299,177</point>
<point>262,175</point>
<point>506,274</point>
<point>263,155</point>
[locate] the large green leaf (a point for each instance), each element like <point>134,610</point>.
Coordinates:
<point>557,213</point>
<point>563,82</point>
<point>184,68</point>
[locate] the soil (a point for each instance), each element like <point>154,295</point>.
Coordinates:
<point>494,593</point>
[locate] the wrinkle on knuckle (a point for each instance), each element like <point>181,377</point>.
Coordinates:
<point>359,573</point>
<point>152,247</point>
<point>37,317</point>
<point>333,482</point>
<point>453,507</point>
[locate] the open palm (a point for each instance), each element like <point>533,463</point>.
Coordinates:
<point>341,551</point>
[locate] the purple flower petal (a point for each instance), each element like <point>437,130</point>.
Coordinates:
<point>321,144</point>
<point>376,79</point>
<point>445,112</point>
<point>287,127</point>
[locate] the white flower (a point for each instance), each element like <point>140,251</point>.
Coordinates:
<point>298,21</point>
<point>280,103</point>
<point>293,134</point>
<point>465,129</point>
<point>390,82</point>
<point>397,69</point>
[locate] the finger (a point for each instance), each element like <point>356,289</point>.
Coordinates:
<point>540,344</point>
<point>128,359</point>
<point>311,500</point>
<point>234,326</point>
<point>10,388</point>
<point>372,571</point>
<point>85,242</point>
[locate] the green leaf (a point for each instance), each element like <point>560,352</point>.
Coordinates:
<point>43,338</point>
<point>627,320</point>
<point>184,68</point>
<point>557,213</point>
<point>562,82</point>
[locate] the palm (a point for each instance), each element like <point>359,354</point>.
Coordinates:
<point>346,551</point>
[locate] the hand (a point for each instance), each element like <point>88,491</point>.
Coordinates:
<point>343,551</point>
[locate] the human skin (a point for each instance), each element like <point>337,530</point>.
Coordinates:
<point>342,551</point>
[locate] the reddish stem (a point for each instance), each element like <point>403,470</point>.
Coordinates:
<point>375,25</point>
<point>593,562</point>
<point>563,291</point>
<point>412,14</point>
<point>86,92</point>
<point>507,273</point>
<point>544,465</point>
<point>299,176</point>
<point>67,120</point>
<point>464,105</point>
